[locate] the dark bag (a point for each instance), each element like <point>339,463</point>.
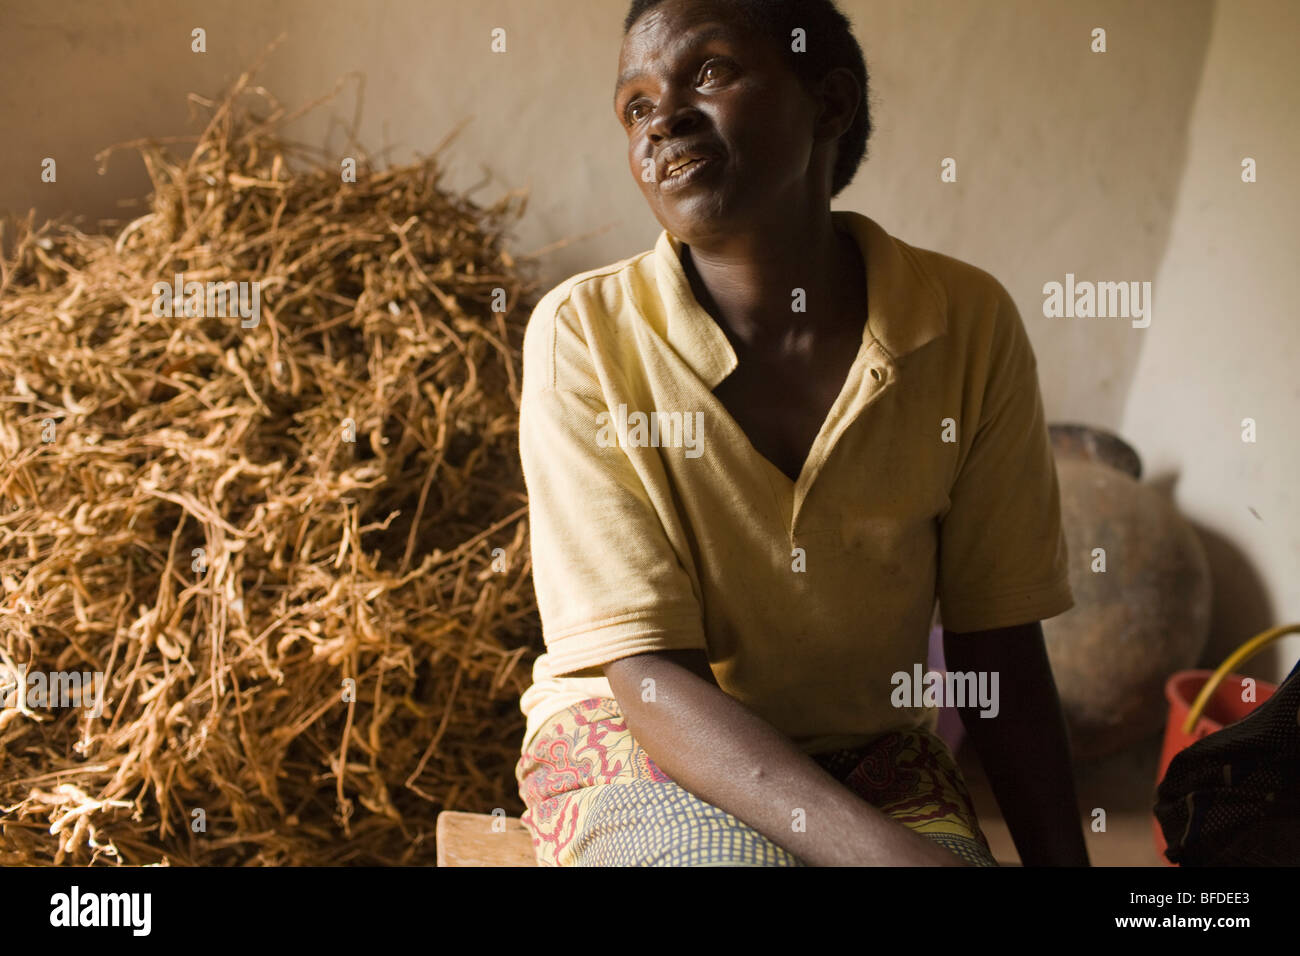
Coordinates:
<point>1233,798</point>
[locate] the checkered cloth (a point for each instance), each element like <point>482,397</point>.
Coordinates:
<point>595,798</point>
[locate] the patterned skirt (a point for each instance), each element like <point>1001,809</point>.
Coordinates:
<point>595,798</point>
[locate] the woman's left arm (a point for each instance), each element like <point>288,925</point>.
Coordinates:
<point>1024,748</point>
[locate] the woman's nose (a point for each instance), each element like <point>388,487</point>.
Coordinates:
<point>673,118</point>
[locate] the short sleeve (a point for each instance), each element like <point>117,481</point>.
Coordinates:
<point>1003,559</point>
<point>609,582</point>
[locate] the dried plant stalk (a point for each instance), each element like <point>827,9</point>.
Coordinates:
<point>229,733</point>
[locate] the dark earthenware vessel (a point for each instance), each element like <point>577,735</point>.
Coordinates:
<point>1142,590</point>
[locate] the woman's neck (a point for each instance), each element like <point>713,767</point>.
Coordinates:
<point>754,285</point>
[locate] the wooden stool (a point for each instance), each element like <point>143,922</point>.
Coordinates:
<point>468,839</point>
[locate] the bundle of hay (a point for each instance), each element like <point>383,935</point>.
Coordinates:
<point>293,545</point>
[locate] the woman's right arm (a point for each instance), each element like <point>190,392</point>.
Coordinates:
<point>718,749</point>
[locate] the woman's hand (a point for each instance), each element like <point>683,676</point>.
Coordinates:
<point>718,749</point>
<point>1024,749</point>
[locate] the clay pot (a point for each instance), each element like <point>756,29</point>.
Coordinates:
<point>1144,617</point>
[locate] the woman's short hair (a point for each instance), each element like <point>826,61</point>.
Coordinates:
<point>829,42</point>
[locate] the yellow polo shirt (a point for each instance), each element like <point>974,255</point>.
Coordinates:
<point>656,525</point>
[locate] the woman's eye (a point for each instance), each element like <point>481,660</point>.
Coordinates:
<point>714,70</point>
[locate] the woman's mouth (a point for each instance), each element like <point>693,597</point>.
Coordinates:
<point>685,171</point>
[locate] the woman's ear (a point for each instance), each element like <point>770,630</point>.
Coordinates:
<point>840,96</point>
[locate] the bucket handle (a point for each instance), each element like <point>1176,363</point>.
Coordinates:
<point>1249,649</point>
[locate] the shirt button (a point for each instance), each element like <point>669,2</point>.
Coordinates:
<point>876,374</point>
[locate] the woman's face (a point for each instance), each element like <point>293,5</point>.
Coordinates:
<point>720,132</point>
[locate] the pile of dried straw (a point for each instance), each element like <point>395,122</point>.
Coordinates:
<point>296,549</point>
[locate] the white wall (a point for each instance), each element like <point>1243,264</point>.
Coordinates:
<point>1067,160</point>
<point>1225,342</point>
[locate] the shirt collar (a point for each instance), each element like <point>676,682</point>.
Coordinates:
<point>906,305</point>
